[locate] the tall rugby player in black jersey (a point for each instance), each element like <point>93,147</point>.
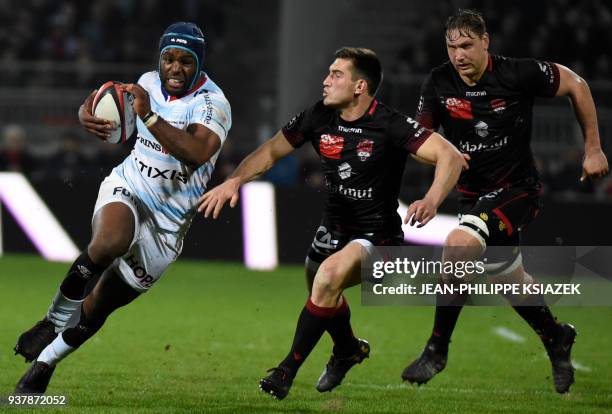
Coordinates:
<point>485,104</point>
<point>363,145</point>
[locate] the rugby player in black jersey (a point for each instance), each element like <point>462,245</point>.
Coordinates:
<point>363,145</point>
<point>485,105</point>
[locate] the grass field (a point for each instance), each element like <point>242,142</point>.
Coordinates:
<point>203,336</point>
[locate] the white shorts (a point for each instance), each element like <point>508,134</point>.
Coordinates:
<point>151,250</point>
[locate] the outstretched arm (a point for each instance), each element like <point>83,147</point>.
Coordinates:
<point>255,164</point>
<point>595,164</point>
<point>449,164</point>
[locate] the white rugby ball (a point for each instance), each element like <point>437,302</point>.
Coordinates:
<point>113,104</point>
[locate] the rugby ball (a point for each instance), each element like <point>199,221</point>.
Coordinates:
<point>113,104</point>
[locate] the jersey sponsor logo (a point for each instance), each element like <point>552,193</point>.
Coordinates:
<point>491,195</point>
<point>475,93</point>
<point>323,239</point>
<point>153,145</point>
<point>364,149</point>
<point>123,192</point>
<point>547,69</point>
<point>498,105</point>
<point>467,146</point>
<point>345,170</point>
<point>331,146</point>
<point>482,129</point>
<point>207,115</point>
<point>144,279</point>
<point>348,192</point>
<point>351,130</point>
<point>293,121</point>
<point>154,172</point>
<point>459,108</point>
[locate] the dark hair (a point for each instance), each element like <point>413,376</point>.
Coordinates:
<point>466,22</point>
<point>366,64</point>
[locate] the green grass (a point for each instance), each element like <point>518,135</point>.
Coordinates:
<point>203,336</point>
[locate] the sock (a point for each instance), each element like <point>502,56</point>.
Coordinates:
<point>310,327</point>
<point>448,309</point>
<point>87,326</point>
<point>339,327</point>
<point>71,293</point>
<point>80,273</point>
<point>61,309</point>
<point>55,351</point>
<point>540,318</point>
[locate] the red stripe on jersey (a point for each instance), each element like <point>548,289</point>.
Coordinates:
<point>373,107</point>
<point>505,220</point>
<point>192,90</point>
<point>490,64</point>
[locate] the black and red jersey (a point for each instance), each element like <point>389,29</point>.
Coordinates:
<point>491,121</point>
<point>362,161</point>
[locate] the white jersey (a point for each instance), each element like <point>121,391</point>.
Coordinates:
<point>167,187</point>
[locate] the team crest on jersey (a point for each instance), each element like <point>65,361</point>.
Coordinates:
<point>364,149</point>
<point>482,129</point>
<point>345,170</point>
<point>498,105</point>
<point>459,108</point>
<point>331,146</point>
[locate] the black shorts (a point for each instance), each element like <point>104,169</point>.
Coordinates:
<point>330,238</point>
<point>504,211</point>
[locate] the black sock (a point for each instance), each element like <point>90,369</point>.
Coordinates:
<point>339,327</point>
<point>310,327</point>
<point>84,329</point>
<point>540,318</point>
<point>80,273</point>
<point>448,308</point>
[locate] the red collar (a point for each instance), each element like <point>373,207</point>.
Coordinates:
<point>192,90</point>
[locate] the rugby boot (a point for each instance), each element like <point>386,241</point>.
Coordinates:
<point>278,383</point>
<point>559,351</point>
<point>36,379</point>
<point>31,343</point>
<point>336,368</point>
<point>432,361</point>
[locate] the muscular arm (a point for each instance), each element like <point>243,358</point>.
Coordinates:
<point>262,159</point>
<point>570,84</point>
<point>193,146</point>
<point>449,164</point>
<point>255,164</point>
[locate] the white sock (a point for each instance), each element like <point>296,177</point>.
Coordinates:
<point>55,351</point>
<point>61,310</point>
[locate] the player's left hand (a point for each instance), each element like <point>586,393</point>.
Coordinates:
<point>213,200</point>
<point>142,102</point>
<point>421,211</point>
<point>595,165</point>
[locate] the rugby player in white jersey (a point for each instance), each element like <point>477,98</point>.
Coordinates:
<point>144,206</point>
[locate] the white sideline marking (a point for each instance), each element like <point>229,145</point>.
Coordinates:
<point>508,334</point>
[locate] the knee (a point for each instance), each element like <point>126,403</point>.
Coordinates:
<point>461,245</point>
<point>104,248</point>
<point>328,280</point>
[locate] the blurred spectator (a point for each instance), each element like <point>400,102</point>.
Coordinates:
<point>14,154</point>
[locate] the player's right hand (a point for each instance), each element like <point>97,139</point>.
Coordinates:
<point>96,126</point>
<point>214,200</point>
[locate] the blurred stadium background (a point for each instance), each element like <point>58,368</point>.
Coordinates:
<point>270,57</point>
